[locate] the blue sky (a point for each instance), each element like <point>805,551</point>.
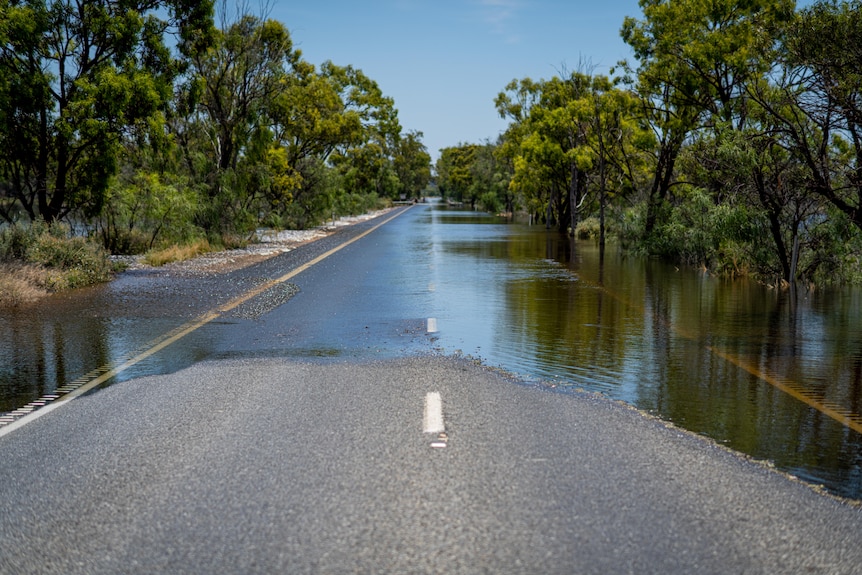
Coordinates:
<point>444,61</point>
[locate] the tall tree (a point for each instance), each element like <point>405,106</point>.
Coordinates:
<point>619,140</point>
<point>232,88</point>
<point>696,58</point>
<point>338,117</point>
<point>820,111</point>
<point>551,158</point>
<point>78,76</point>
<point>412,164</point>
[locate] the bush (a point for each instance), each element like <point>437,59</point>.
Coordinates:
<point>588,229</point>
<point>490,202</point>
<point>44,259</point>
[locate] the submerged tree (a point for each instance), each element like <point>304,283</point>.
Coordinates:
<point>696,59</point>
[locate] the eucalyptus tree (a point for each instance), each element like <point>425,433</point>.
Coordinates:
<point>232,87</point>
<point>492,177</point>
<point>77,77</point>
<point>571,136</point>
<point>337,118</point>
<point>550,156</point>
<point>412,165</point>
<point>514,104</point>
<point>477,174</point>
<point>619,140</point>
<point>455,173</point>
<point>817,101</point>
<point>696,59</point>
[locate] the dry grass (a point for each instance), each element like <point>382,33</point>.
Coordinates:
<point>159,258</point>
<point>24,284</point>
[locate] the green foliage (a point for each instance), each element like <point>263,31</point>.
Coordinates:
<point>68,127</point>
<point>412,165</point>
<point>588,229</point>
<point>571,137</point>
<point>153,146</point>
<point>477,174</point>
<point>78,261</point>
<point>835,254</point>
<point>698,231</point>
<point>490,202</point>
<point>143,211</point>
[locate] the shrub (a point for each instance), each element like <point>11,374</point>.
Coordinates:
<point>588,229</point>
<point>39,259</point>
<point>490,202</point>
<point>20,284</point>
<point>171,254</point>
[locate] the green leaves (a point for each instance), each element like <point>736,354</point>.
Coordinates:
<point>87,73</point>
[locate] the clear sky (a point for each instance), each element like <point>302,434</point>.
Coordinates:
<point>444,61</point>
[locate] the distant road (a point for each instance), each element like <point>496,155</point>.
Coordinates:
<point>285,451</point>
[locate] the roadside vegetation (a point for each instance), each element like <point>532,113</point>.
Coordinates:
<point>175,152</point>
<point>39,259</point>
<point>732,142</point>
<point>179,124</point>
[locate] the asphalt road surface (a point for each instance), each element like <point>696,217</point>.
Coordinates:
<point>287,451</point>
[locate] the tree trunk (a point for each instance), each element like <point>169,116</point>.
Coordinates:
<point>42,167</point>
<point>794,258</point>
<point>602,201</point>
<point>573,199</point>
<point>661,182</point>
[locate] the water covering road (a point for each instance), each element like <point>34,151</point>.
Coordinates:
<point>763,372</point>
<point>282,430</point>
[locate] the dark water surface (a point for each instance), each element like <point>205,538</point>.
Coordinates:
<point>760,370</point>
<point>767,372</point>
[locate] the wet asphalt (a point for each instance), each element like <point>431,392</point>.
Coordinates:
<point>275,448</point>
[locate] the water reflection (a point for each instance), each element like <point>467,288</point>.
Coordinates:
<point>719,357</point>
<point>48,347</point>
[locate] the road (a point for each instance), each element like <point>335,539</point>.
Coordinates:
<point>296,442</point>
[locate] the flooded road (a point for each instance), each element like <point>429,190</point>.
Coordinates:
<point>769,373</point>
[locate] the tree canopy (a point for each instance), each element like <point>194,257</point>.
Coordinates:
<point>146,120</point>
<point>731,141</point>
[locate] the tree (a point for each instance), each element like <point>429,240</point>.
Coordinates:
<point>412,165</point>
<point>697,58</point>
<point>551,157</point>
<point>341,118</point>
<point>619,141</point>
<point>231,91</point>
<point>78,76</point>
<point>819,113</point>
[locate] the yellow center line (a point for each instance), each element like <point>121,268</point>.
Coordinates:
<point>111,370</point>
<point>795,390</point>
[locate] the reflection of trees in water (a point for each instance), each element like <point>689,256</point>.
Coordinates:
<point>43,351</point>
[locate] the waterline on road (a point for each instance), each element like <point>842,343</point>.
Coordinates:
<point>18,418</point>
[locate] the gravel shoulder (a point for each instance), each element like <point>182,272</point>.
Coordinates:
<point>267,244</point>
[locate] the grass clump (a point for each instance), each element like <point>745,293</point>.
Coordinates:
<point>588,229</point>
<point>39,259</point>
<point>21,284</point>
<point>158,258</point>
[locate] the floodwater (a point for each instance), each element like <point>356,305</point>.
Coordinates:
<point>774,374</point>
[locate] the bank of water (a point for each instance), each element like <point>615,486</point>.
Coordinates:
<point>771,373</point>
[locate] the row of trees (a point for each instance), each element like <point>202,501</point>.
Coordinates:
<point>148,121</point>
<point>733,141</point>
